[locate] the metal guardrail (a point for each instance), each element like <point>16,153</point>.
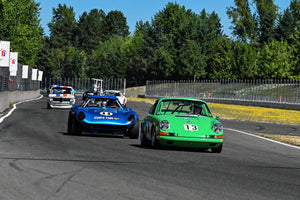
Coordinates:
<point>256,90</point>
<point>83,84</point>
<point>17,83</point>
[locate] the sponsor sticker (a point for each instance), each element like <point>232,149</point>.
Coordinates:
<point>106,113</point>
<point>105,117</point>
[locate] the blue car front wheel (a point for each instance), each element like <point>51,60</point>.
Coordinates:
<point>77,128</point>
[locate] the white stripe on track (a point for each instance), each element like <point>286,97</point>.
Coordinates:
<point>245,133</point>
<point>15,106</point>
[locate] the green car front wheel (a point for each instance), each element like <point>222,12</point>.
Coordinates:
<point>217,149</point>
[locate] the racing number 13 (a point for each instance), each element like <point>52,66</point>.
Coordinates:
<point>190,127</point>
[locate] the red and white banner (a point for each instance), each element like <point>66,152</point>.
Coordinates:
<point>4,53</point>
<point>13,63</point>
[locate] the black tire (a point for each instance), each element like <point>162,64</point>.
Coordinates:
<point>70,123</point>
<point>134,132</point>
<point>217,149</point>
<point>77,127</point>
<point>144,141</point>
<point>154,143</point>
<point>48,105</point>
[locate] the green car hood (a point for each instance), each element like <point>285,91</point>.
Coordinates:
<point>179,122</point>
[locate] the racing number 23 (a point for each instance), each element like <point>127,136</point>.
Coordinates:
<point>189,127</point>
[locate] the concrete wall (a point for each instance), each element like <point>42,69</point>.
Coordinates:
<point>16,96</point>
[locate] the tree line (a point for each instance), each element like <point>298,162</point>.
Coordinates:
<point>177,44</point>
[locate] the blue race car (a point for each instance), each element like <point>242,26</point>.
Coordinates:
<point>103,114</point>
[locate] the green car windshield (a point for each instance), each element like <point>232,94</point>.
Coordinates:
<point>183,107</point>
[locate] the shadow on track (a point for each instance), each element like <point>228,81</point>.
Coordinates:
<point>169,148</point>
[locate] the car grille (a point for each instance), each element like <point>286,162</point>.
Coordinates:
<point>61,99</point>
<point>107,127</point>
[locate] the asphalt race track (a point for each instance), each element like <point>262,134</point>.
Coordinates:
<point>38,161</point>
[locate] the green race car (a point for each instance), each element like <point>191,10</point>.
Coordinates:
<point>182,122</point>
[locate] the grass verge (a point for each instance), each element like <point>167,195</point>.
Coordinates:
<point>293,140</point>
<point>256,114</point>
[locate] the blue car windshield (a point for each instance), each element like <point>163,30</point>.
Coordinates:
<point>183,107</point>
<point>102,103</point>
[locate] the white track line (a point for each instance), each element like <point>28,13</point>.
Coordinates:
<point>245,133</point>
<point>15,106</point>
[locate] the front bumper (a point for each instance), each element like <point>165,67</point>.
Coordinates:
<point>60,106</point>
<point>106,127</point>
<point>189,142</point>
<point>63,104</point>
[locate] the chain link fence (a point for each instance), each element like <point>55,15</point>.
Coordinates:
<point>257,90</point>
<point>83,84</point>
<point>17,83</point>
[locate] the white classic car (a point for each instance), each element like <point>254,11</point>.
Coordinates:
<point>118,94</point>
<point>61,97</point>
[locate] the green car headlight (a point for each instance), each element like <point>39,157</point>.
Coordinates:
<point>218,128</point>
<point>164,125</point>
